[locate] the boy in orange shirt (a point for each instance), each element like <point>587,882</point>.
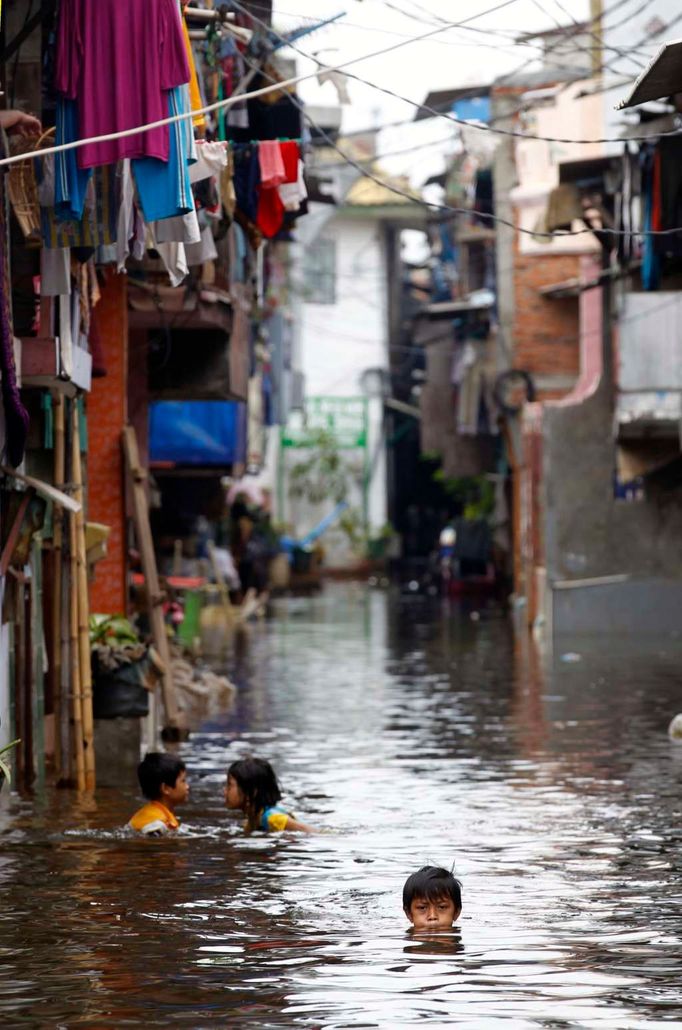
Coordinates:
<point>163,779</point>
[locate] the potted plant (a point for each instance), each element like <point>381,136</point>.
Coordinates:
<point>124,668</point>
<point>5,773</point>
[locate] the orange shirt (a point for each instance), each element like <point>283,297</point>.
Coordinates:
<point>194,92</point>
<point>154,817</point>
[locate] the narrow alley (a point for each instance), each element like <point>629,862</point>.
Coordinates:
<point>410,732</point>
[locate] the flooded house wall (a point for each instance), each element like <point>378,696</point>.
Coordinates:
<point>593,535</point>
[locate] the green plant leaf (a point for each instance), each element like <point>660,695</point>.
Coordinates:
<point>4,768</point>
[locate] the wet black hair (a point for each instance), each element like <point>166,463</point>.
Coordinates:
<point>256,778</point>
<point>432,882</point>
<point>157,768</point>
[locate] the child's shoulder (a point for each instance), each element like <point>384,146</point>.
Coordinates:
<point>153,818</point>
<point>275,818</point>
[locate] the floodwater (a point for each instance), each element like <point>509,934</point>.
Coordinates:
<point>412,734</point>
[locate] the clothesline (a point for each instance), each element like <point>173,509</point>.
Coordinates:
<point>218,105</point>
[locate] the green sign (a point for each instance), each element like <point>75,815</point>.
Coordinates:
<point>345,418</point>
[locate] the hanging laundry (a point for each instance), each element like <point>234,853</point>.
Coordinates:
<point>163,186</point>
<point>294,194</point>
<point>212,159</point>
<point>563,207</point>
<point>194,91</point>
<point>227,191</point>
<point>98,224</point>
<point>55,271</point>
<point>71,181</point>
<point>247,180</point>
<point>117,59</point>
<point>272,171</point>
<point>270,207</point>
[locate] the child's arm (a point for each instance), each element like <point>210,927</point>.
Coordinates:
<point>296,827</point>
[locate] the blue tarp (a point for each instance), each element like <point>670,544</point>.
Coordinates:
<point>472,109</point>
<point>197,432</point>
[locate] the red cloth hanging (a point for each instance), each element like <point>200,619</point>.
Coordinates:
<point>270,216</point>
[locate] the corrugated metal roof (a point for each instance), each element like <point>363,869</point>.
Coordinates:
<point>662,77</point>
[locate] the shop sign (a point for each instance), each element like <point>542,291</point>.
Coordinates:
<point>344,418</point>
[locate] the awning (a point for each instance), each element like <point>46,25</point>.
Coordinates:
<point>451,308</point>
<point>662,77</point>
<point>575,286</point>
<point>443,99</point>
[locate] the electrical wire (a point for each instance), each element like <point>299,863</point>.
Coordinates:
<point>237,97</point>
<point>487,127</point>
<point>475,91</point>
<point>590,31</point>
<point>432,205</point>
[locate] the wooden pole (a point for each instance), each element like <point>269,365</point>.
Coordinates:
<point>57,570</point>
<point>88,725</point>
<point>137,475</point>
<point>74,660</point>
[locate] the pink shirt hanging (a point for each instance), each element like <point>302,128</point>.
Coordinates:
<point>116,58</point>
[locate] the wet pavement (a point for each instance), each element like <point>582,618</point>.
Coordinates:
<point>413,734</point>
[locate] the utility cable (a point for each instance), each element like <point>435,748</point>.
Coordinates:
<point>432,205</point>
<point>236,97</point>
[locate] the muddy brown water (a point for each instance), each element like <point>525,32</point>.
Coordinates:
<point>413,734</point>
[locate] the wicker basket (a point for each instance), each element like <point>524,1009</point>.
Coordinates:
<point>22,186</point>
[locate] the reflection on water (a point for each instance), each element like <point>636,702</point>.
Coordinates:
<point>413,734</point>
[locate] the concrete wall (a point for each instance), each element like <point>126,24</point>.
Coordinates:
<point>589,534</point>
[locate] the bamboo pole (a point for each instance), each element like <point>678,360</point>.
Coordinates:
<point>175,727</point>
<point>83,608</point>
<point>57,567</point>
<point>67,774</point>
<point>74,660</point>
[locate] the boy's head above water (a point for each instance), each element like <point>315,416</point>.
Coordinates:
<point>163,778</point>
<point>432,899</point>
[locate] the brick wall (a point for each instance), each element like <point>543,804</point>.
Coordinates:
<point>107,413</point>
<point>545,332</point>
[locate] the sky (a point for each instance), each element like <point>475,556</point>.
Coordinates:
<point>454,57</point>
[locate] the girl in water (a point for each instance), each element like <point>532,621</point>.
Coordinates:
<point>252,787</point>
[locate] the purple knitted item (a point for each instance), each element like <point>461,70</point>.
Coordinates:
<point>16,415</point>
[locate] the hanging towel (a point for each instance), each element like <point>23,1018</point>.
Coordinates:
<point>292,194</point>
<point>271,164</point>
<point>270,206</point>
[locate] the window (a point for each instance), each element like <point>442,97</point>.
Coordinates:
<point>319,272</point>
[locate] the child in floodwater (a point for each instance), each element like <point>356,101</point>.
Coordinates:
<point>432,899</point>
<point>163,780</point>
<point>252,787</point>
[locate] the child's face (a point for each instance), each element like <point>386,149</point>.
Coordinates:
<point>234,795</point>
<point>178,793</point>
<point>436,915</point>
